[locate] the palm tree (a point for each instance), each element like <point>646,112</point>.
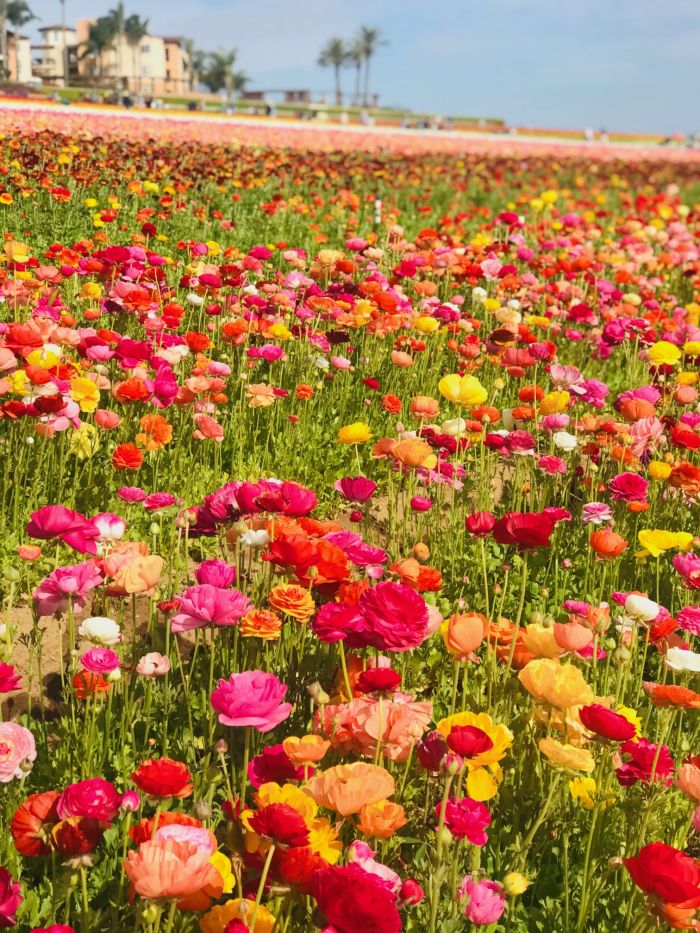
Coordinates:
<point>198,62</point>
<point>369,40</point>
<point>17,14</point>
<point>356,57</point>
<point>100,37</point>
<point>334,55</point>
<point>219,73</point>
<point>135,29</point>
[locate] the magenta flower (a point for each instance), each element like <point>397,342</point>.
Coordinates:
<point>466,819</point>
<point>397,616</point>
<point>355,488</point>
<point>110,526</point>
<point>56,521</point>
<point>72,582</point>
<point>158,500</point>
<point>204,604</point>
<point>9,679</point>
<point>552,465</point>
<point>272,764</point>
<point>421,503</point>
<point>628,487</point>
<point>216,573</point>
<point>252,698</point>
<point>132,494</point>
<point>643,761</point>
<point>10,899</point>
<point>688,619</point>
<point>93,798</point>
<point>484,901</point>
<point>17,751</point>
<point>100,661</point>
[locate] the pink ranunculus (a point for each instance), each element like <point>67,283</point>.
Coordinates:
<point>207,428</point>
<point>359,853</point>
<point>688,619</point>
<point>466,819</point>
<point>396,615</point>
<point>56,521</point>
<point>251,698</point>
<point>484,901</point>
<point>110,526</point>
<point>203,839</point>
<point>9,679</point>
<point>216,573</point>
<point>421,503</point>
<point>596,513</point>
<point>153,664</point>
<point>100,661</point>
<point>628,487</point>
<point>54,928</point>
<point>107,420</point>
<point>397,724</point>
<point>158,500</point>
<point>72,582</point>
<point>204,604</point>
<point>355,488</point>
<point>10,899</point>
<point>17,751</point>
<point>132,494</point>
<point>94,798</point>
<point>358,551</point>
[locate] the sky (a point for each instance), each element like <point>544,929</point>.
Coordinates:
<point>628,65</point>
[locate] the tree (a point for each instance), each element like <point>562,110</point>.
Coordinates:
<point>219,73</point>
<point>355,58</point>
<point>369,40</point>
<point>15,13</point>
<point>135,29</point>
<point>101,35</point>
<point>334,55</point>
<point>197,63</point>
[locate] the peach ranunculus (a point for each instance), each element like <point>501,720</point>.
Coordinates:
<point>207,428</point>
<point>688,779</point>
<point>397,724</point>
<point>424,406</point>
<point>307,750</point>
<point>413,452</point>
<point>261,623</point>
<point>292,600</point>
<point>348,788</point>
<point>561,685</point>
<point>260,395</point>
<point>240,908</point>
<point>139,576</point>
<point>463,633</point>
<point>540,641</point>
<point>121,554</point>
<point>572,636</point>
<point>567,756</point>
<point>382,819</point>
<point>173,870</point>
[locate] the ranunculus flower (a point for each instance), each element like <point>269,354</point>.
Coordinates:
<point>216,573</point>
<point>524,529</point>
<point>351,899</point>
<point>643,761</point>
<point>355,488</point>
<point>10,899</point>
<point>483,901</point>
<point>163,777</point>
<point>56,521</point>
<point>63,584</point>
<point>100,661</point>
<point>347,788</point>
<point>606,723</point>
<point>93,798</point>
<point>153,664</point>
<point>666,873</point>
<point>466,819</point>
<point>17,751</point>
<point>170,869</point>
<point>204,604</point>
<point>9,678</point>
<point>100,631</point>
<point>273,764</point>
<point>251,698</point>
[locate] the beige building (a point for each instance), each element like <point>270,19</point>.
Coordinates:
<point>153,66</point>
<point>51,57</point>
<point>19,58</point>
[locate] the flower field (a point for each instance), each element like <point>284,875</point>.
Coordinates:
<point>350,549</point>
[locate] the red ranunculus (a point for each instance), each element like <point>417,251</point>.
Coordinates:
<point>77,836</point>
<point>378,680</point>
<point>668,874</point>
<point>351,900</point>
<point>468,741</point>
<point>32,822</point>
<point>282,824</point>
<point>524,529</point>
<point>480,524</point>
<point>606,723</point>
<point>163,777</point>
<point>127,457</point>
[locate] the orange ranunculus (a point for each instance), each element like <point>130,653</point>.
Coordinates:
<point>261,623</point>
<point>382,819</point>
<point>131,390</point>
<point>348,788</point>
<point>137,576</point>
<point>307,750</point>
<point>156,432</point>
<point>672,695</point>
<point>165,868</point>
<point>260,395</point>
<point>686,476</point>
<point>413,452</point>
<point>304,391</point>
<point>127,457</point>
<point>463,633</point>
<point>86,684</point>
<point>607,544</point>
<point>688,778</point>
<point>292,600</point>
<point>424,406</point>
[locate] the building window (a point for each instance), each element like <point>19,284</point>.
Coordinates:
<point>145,49</point>
<point>145,71</point>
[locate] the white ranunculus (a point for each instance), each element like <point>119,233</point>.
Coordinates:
<point>195,300</point>
<point>100,631</point>
<point>255,538</point>
<point>564,441</point>
<point>680,660</point>
<point>454,426</point>
<point>479,293</point>
<point>641,608</point>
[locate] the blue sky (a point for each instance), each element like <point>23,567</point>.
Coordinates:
<point>620,64</point>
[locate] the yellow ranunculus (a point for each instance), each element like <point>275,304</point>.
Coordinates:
<point>484,774</point>
<point>663,353</point>
<point>583,790</point>
<point>514,883</point>
<point>462,390</point>
<point>656,541</point>
<point>687,378</point>
<point>658,469</point>
<point>540,641</point>
<point>426,324</point>
<point>85,393</point>
<point>567,756</point>
<point>323,840</point>
<point>561,685</point>
<point>692,347</point>
<point>44,358</point>
<point>356,433</point>
<point>223,866</point>
<point>554,402</point>
<point>84,441</point>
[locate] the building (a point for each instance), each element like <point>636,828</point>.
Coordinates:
<point>178,68</point>
<point>19,58</point>
<point>52,57</point>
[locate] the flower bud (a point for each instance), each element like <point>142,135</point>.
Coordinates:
<point>202,810</point>
<point>221,747</point>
